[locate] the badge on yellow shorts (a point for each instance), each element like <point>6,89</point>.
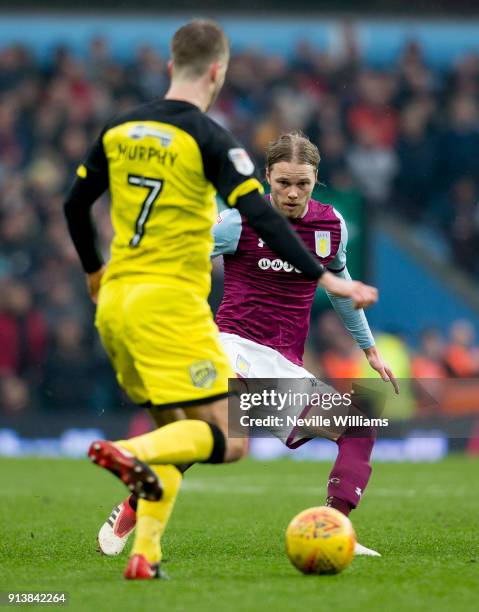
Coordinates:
<point>203,374</point>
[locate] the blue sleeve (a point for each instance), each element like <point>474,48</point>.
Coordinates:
<point>353,320</point>
<point>226,233</point>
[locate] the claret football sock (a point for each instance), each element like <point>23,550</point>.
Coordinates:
<point>187,441</point>
<point>152,517</point>
<point>351,471</point>
<point>339,504</point>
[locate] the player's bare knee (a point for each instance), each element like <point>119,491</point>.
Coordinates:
<point>235,449</point>
<point>225,449</point>
<point>163,417</point>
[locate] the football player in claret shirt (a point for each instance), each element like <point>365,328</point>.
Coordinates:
<point>265,312</point>
<point>163,163</point>
<point>264,317</point>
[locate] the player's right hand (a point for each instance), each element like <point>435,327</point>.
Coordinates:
<point>93,281</point>
<point>361,295</point>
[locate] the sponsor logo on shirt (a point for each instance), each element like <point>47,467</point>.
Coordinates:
<point>276,265</point>
<point>137,132</point>
<point>241,161</point>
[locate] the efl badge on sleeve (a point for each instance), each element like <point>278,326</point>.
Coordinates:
<point>203,374</point>
<point>241,161</point>
<point>322,243</point>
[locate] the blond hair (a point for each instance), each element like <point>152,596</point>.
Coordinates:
<point>293,146</point>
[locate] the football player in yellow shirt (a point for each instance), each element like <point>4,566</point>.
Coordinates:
<point>163,162</point>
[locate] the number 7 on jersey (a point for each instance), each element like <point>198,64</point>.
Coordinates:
<point>154,187</point>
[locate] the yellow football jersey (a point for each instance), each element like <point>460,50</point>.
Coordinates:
<point>163,163</point>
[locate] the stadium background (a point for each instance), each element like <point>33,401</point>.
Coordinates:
<point>392,104</point>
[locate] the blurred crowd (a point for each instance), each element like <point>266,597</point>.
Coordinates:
<point>405,138</point>
<point>438,355</point>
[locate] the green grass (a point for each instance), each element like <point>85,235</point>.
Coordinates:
<point>224,545</point>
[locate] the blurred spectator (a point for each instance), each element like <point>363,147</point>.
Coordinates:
<point>340,357</point>
<point>74,144</point>
<point>429,370</point>
<point>23,334</point>
<point>459,144</point>
<point>429,361</point>
<point>416,80</point>
<point>14,396</point>
<point>68,382</point>
<point>416,155</point>
<point>374,114</point>
<point>327,117</point>
<point>461,223</point>
<point>333,155</point>
<point>462,355</point>
<point>98,60</point>
<point>150,71</point>
<point>373,166</point>
<point>464,79</point>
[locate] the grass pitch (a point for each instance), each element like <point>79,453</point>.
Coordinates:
<point>225,544</point>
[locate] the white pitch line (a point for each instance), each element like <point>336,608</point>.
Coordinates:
<point>230,487</point>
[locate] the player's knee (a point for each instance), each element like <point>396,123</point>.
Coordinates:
<point>225,450</point>
<point>236,448</point>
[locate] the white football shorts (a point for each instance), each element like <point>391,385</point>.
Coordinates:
<point>252,360</point>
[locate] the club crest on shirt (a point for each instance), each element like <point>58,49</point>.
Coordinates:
<point>241,161</point>
<point>242,366</point>
<point>322,242</point>
<point>203,374</point>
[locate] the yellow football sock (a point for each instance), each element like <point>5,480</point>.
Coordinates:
<point>152,517</point>
<point>186,441</point>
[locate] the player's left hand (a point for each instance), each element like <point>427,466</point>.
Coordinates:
<point>93,281</point>
<point>376,362</point>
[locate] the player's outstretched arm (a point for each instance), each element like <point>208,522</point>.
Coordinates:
<point>377,363</point>
<point>356,323</point>
<point>361,295</point>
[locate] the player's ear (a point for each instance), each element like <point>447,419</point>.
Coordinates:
<point>268,178</point>
<point>169,67</point>
<point>214,72</point>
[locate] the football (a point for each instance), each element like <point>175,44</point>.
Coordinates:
<point>320,541</point>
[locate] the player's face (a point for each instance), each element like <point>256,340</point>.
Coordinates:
<point>291,187</point>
